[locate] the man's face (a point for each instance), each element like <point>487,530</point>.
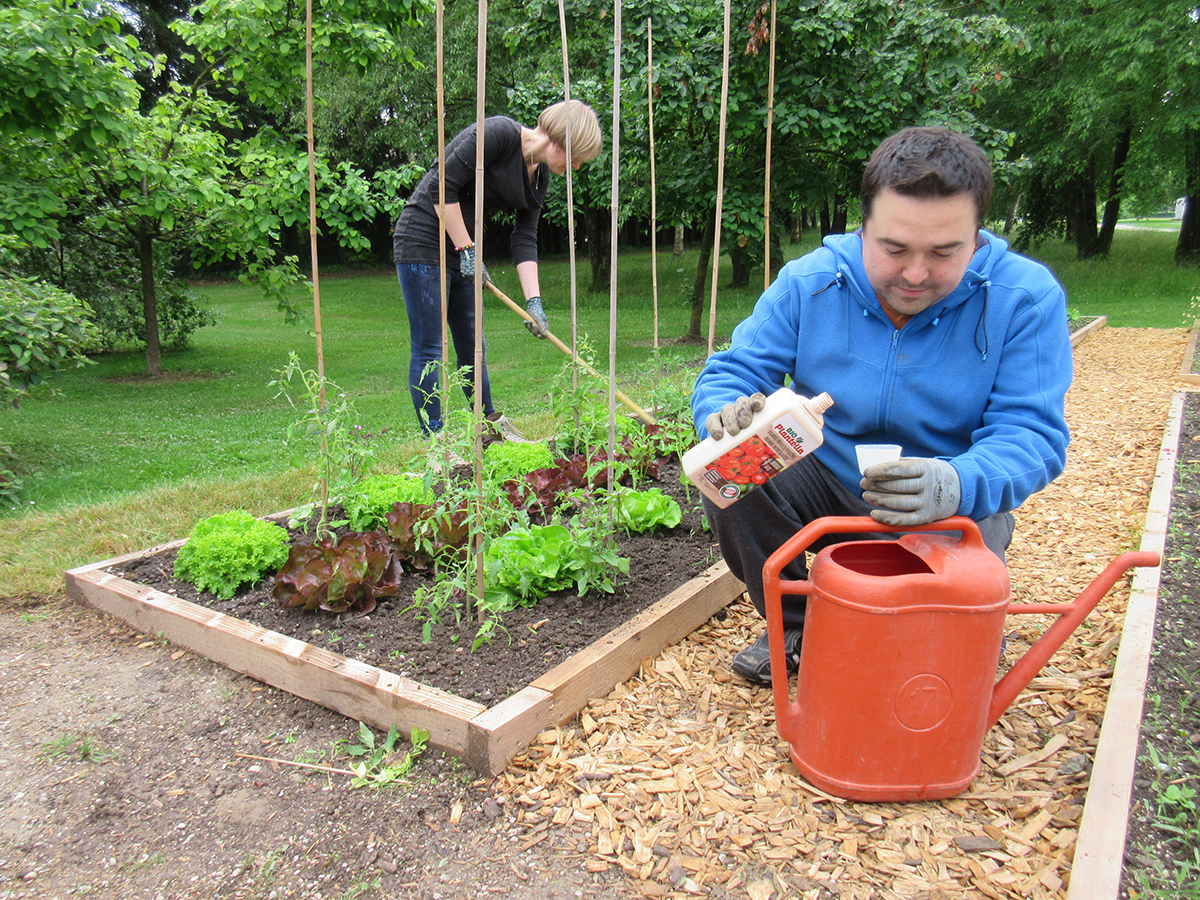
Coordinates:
<point>917,249</point>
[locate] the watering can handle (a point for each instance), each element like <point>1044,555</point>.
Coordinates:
<point>819,528</point>
<point>1070,615</point>
<point>774,587</point>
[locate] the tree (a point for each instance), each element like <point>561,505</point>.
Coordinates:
<point>1100,93</point>
<point>77,152</point>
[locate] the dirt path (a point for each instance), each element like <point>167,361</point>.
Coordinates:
<point>123,771</point>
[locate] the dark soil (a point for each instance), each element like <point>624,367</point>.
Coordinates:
<point>1163,851</point>
<point>532,640</point>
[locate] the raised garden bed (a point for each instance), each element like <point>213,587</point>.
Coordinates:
<point>303,654</point>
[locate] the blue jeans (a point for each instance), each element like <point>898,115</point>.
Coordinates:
<point>421,287</point>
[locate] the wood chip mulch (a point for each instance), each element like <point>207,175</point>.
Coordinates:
<point>679,778</point>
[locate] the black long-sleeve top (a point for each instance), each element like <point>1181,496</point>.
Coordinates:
<point>506,185</point>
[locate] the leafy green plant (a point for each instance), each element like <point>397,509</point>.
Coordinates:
<point>381,763</point>
<point>638,511</point>
<point>368,503</point>
<point>529,562</point>
<point>508,460</point>
<point>43,331</point>
<point>227,550</point>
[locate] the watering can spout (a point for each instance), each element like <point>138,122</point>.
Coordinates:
<point>1070,616</point>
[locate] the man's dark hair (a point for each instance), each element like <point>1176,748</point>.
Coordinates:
<point>928,162</point>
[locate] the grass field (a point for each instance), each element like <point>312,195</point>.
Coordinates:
<point>117,462</point>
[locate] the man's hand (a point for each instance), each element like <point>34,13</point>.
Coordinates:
<point>734,416</point>
<point>912,491</point>
<point>540,325</point>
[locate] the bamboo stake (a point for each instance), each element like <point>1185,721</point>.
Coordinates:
<point>767,180</point>
<point>582,363</point>
<point>612,273</point>
<point>312,236</point>
<point>653,183</point>
<point>444,386</point>
<point>716,252</point>
<point>562,28</point>
<point>480,86</point>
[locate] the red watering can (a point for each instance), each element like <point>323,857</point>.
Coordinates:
<point>898,663</point>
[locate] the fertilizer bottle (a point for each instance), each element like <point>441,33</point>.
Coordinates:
<point>787,428</point>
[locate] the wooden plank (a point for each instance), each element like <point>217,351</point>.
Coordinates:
<point>1189,356</point>
<point>1100,848</point>
<point>352,688</point>
<point>607,662</point>
<point>498,734</point>
<point>1096,324</point>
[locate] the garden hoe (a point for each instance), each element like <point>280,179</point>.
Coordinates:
<point>637,410</point>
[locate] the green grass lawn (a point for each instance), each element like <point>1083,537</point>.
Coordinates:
<point>117,462</point>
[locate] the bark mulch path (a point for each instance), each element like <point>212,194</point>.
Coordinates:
<point>678,776</point>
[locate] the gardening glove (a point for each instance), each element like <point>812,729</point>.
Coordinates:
<point>466,264</point>
<point>540,326</point>
<point>734,416</point>
<point>912,491</point>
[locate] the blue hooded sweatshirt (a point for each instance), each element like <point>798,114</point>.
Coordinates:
<point>977,379</point>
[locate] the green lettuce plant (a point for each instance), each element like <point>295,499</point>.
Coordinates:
<point>228,550</point>
<point>368,503</point>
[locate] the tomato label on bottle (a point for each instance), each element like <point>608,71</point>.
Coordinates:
<point>760,457</point>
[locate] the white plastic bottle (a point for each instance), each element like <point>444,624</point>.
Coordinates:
<point>788,428</point>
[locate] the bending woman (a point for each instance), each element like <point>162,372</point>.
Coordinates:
<point>517,165</point>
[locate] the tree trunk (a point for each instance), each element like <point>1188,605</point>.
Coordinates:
<point>826,224</point>
<point>839,214</point>
<point>599,237</point>
<point>1112,206</point>
<point>149,300</point>
<point>702,266</point>
<point>1187,250</point>
<point>1081,204</point>
<point>678,248</point>
<point>797,228</point>
<point>1011,219</point>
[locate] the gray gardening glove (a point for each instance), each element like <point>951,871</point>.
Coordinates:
<point>540,326</point>
<point>734,416</point>
<point>912,491</point>
<point>466,264</point>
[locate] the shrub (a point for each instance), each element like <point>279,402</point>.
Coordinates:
<point>369,502</point>
<point>43,331</point>
<point>227,550</point>
<point>122,318</point>
<point>513,460</point>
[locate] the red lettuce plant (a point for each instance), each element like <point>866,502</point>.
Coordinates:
<point>339,577</point>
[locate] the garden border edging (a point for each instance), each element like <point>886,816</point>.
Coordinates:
<point>487,738</point>
<point>1099,860</point>
<point>1186,374</point>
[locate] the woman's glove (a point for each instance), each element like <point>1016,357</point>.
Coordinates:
<point>466,264</point>
<point>912,491</point>
<point>734,416</point>
<point>540,326</point>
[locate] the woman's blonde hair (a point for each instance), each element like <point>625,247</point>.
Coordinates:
<point>586,139</point>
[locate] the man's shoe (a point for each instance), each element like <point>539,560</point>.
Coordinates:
<point>754,663</point>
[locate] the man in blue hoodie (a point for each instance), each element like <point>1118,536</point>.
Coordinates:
<point>928,332</point>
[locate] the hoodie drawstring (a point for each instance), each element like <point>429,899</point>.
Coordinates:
<point>982,323</point>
